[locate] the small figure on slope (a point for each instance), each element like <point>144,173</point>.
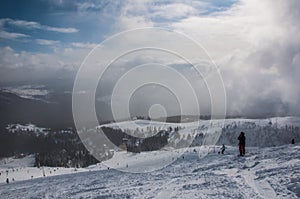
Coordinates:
<point>242,143</point>
<point>223,149</point>
<point>293,141</point>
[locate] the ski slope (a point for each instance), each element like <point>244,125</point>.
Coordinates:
<point>270,169</point>
<point>272,172</point>
<point>23,169</point>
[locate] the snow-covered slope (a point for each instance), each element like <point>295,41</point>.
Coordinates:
<point>277,121</point>
<point>12,128</point>
<point>7,163</point>
<point>272,172</point>
<point>259,132</point>
<point>20,169</point>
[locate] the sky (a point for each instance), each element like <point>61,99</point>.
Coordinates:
<point>254,44</point>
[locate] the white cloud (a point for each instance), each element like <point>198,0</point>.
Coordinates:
<point>61,30</point>
<point>12,35</point>
<point>66,59</point>
<point>32,66</point>
<point>47,42</point>
<point>84,45</point>
<point>148,13</point>
<point>36,25</point>
<point>255,43</point>
<point>87,6</point>
<point>259,68</point>
<point>28,60</point>
<point>174,10</point>
<point>132,22</point>
<point>133,14</point>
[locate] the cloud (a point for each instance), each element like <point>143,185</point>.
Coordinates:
<point>96,6</point>
<point>270,65</point>
<point>32,66</point>
<point>36,25</point>
<point>164,13</point>
<point>60,30</point>
<point>47,42</point>
<point>254,43</point>
<point>12,35</point>
<point>174,10</point>
<point>261,72</point>
<point>84,45</point>
<point>27,60</point>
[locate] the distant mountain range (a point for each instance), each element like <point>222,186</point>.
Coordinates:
<point>56,114</point>
<point>54,110</point>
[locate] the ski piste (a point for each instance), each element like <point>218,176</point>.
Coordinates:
<point>262,173</point>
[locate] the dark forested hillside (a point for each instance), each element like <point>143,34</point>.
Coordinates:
<point>61,148</point>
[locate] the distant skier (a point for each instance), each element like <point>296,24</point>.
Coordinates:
<point>223,149</point>
<point>242,143</point>
<point>7,180</point>
<point>293,141</point>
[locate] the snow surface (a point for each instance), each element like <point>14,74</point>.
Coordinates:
<point>278,121</point>
<point>23,169</point>
<point>272,172</point>
<point>259,132</point>
<point>12,128</point>
<point>28,91</point>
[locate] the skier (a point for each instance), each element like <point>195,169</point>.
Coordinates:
<point>242,142</point>
<point>293,141</point>
<point>223,149</point>
<point>7,180</point>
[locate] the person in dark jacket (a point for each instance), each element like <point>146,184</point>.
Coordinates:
<point>223,149</point>
<point>242,143</point>
<point>293,141</point>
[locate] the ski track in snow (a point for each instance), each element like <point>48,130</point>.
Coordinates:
<point>263,173</point>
